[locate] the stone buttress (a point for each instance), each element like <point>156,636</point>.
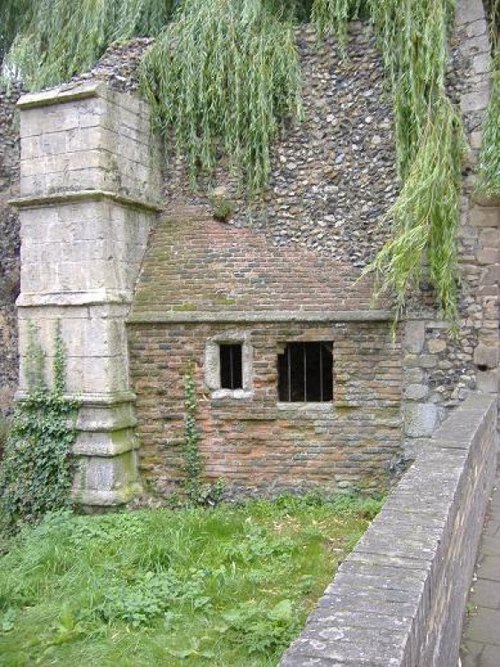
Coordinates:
<point>89,193</point>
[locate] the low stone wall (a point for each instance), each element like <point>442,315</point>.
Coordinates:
<point>397,600</point>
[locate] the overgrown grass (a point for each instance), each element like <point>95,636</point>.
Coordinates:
<point>230,586</point>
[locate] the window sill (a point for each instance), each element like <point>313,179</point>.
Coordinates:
<point>238,394</point>
<point>297,406</point>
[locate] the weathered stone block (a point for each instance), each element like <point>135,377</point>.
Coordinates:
<point>483,216</point>
<point>420,419</point>
<point>488,256</point>
<point>487,356</point>
<point>416,392</point>
<point>489,381</point>
<point>476,101</point>
<point>414,336</point>
<point>436,345</point>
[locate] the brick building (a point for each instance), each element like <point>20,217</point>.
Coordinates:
<point>298,380</point>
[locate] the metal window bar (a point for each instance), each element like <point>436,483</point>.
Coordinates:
<point>304,357</point>
<point>321,373</point>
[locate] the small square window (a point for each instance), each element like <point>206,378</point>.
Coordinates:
<point>228,365</point>
<point>305,372</point>
<point>231,376</point>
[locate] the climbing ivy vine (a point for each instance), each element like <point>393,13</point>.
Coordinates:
<point>196,491</point>
<point>37,470</point>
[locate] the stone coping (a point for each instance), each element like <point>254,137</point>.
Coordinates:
<point>65,93</point>
<point>72,196</point>
<point>263,316</point>
<point>397,600</point>
<point>99,297</point>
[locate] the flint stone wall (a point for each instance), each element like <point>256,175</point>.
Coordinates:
<point>397,600</point>
<point>9,247</point>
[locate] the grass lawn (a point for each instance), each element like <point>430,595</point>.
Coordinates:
<point>227,586</point>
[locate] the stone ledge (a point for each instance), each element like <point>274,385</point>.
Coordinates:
<point>67,93</point>
<point>66,299</point>
<point>40,201</point>
<point>263,316</point>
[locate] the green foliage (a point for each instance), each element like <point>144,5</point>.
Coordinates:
<point>222,207</point>
<point>36,473</point>
<point>489,160</point>
<point>332,17</point>
<point>413,39</point>
<point>230,587</point>
<point>15,15</point>
<point>412,36</point>
<point>58,39</point>
<point>425,216</point>
<point>222,77</point>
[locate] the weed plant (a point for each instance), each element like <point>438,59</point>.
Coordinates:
<point>228,586</point>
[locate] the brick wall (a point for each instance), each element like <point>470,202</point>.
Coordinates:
<point>255,443</point>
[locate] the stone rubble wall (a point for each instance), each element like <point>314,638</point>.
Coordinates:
<point>442,368</point>
<point>397,600</point>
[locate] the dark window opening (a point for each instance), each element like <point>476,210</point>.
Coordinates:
<point>231,376</point>
<point>305,372</point>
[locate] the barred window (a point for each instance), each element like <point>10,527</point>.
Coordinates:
<point>305,372</point>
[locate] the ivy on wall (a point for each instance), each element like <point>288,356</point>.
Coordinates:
<point>36,473</point>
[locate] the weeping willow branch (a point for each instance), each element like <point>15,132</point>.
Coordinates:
<point>222,76</point>
<point>332,17</point>
<point>425,216</point>
<point>489,160</point>
<point>60,38</point>
<point>15,15</point>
